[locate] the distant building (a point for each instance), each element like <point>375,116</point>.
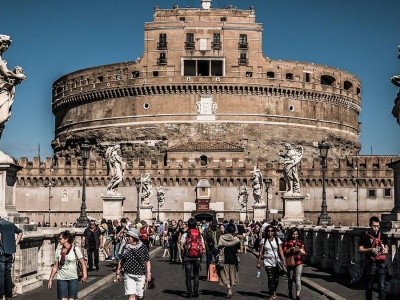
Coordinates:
<point>203,103</point>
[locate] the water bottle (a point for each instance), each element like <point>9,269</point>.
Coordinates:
<point>258,274</point>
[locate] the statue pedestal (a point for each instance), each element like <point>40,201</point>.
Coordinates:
<point>146,213</point>
<point>8,176</point>
<point>293,208</point>
<point>113,207</point>
<point>259,212</point>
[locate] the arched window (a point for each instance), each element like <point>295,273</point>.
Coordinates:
<point>327,80</point>
<point>203,161</point>
<point>347,85</point>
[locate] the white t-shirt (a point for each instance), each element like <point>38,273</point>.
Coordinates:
<point>68,271</point>
<point>271,255</point>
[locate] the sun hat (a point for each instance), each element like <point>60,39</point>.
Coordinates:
<point>133,232</point>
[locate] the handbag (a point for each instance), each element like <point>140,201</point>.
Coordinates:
<point>79,267</point>
<point>290,261</point>
<point>212,273</point>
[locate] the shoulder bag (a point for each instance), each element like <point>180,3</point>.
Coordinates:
<point>79,267</point>
<point>279,266</point>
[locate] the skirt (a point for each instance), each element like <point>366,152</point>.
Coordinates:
<point>229,275</point>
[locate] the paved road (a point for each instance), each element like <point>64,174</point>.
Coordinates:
<point>170,284</point>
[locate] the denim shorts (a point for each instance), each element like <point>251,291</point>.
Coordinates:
<point>67,288</point>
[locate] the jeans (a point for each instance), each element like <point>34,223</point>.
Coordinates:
<point>273,279</point>
<point>209,256</point>
<point>173,249</point>
<point>116,250</point>
<point>6,284</point>
<point>67,289</point>
<point>91,252</point>
<point>378,275</point>
<point>294,275</point>
<point>195,265</point>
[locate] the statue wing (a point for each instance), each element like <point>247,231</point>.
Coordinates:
<point>299,154</point>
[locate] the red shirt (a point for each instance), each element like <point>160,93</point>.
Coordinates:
<point>145,232</point>
<point>298,258</point>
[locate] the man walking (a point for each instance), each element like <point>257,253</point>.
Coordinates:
<point>211,238</point>
<point>374,244</point>
<point>173,234</point>
<point>7,249</point>
<point>192,245</point>
<point>92,241</point>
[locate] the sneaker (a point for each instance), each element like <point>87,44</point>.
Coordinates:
<point>229,294</point>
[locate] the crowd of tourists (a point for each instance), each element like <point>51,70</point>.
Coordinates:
<point>220,244</point>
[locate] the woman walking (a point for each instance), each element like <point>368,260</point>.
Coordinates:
<point>165,242</point>
<point>294,252</point>
<point>228,274</point>
<point>271,252</point>
<point>135,261</point>
<point>67,256</point>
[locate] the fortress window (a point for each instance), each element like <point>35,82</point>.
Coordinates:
<point>282,185</point>
<point>388,192</point>
<point>242,59</point>
<point>216,45</point>
<point>327,80</point>
<point>217,68</point>
<point>289,76</point>
<point>162,42</point>
<point>203,161</point>
<point>223,19</point>
<point>162,60</point>
<point>243,42</point>
<point>189,44</point>
<point>308,77</point>
<point>155,73</point>
<point>371,193</point>
<point>182,19</point>
<point>249,74</point>
<point>270,75</point>
<point>347,85</point>
<point>135,74</point>
<point>203,67</point>
<point>59,90</point>
<point>117,77</point>
<point>100,78</point>
<point>358,91</point>
<point>189,68</point>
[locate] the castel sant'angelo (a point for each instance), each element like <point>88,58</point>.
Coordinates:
<point>198,111</point>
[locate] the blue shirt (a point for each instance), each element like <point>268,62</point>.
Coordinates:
<point>8,231</point>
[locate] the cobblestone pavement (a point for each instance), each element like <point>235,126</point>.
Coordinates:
<point>170,284</point>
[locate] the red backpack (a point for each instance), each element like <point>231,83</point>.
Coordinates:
<point>377,243</point>
<point>193,245</point>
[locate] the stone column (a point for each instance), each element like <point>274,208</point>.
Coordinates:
<point>294,209</point>
<point>146,213</point>
<point>8,176</point>
<point>259,212</point>
<point>317,243</point>
<point>328,246</point>
<point>392,220</point>
<point>342,254</point>
<point>113,207</point>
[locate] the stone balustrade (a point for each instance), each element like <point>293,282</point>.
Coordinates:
<point>336,248</point>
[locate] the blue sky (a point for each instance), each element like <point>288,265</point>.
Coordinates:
<point>52,38</point>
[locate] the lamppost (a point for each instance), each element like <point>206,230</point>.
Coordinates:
<point>50,185</point>
<point>267,186</point>
<point>83,219</point>
<point>138,183</point>
<point>324,219</point>
<point>246,200</point>
<point>357,180</point>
